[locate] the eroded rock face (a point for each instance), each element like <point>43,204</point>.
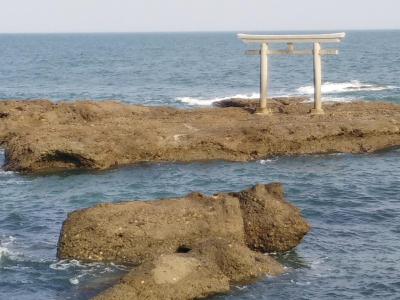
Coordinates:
<point>141,230</point>
<point>270,222</point>
<point>43,136</point>
<point>211,267</point>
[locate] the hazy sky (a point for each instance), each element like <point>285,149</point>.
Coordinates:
<point>199,15</point>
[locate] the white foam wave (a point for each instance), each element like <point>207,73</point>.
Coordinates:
<point>66,264</point>
<point>74,280</point>
<point>332,99</point>
<point>344,87</point>
<point>327,88</point>
<point>83,270</point>
<point>265,161</point>
<point>5,244</point>
<point>207,102</point>
<point>4,252</point>
<point>5,173</point>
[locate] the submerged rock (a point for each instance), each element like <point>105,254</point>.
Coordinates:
<point>42,136</point>
<point>186,248</point>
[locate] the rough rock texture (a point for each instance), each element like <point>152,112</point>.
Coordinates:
<point>270,222</point>
<point>173,276</point>
<point>141,230</point>
<point>41,135</point>
<point>236,261</point>
<point>209,268</point>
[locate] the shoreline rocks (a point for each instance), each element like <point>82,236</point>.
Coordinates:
<point>40,136</point>
<point>186,248</point>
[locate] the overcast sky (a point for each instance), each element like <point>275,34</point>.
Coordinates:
<point>199,15</point>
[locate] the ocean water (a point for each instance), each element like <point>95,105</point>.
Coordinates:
<point>351,201</point>
<point>187,68</point>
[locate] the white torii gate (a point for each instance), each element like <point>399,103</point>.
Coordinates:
<point>316,39</point>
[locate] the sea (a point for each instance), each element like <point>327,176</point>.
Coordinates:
<point>351,201</point>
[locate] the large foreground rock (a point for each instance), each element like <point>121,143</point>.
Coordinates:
<point>139,231</point>
<point>186,248</point>
<point>41,135</point>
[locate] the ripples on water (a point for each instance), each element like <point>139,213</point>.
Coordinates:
<point>352,202</point>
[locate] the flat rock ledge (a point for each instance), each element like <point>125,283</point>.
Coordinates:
<point>45,136</point>
<point>186,248</point>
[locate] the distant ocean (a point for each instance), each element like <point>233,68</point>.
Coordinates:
<point>351,201</point>
<point>187,68</point>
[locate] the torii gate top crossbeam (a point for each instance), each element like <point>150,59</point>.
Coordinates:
<point>296,38</point>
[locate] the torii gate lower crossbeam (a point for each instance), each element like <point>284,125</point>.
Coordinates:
<point>317,52</point>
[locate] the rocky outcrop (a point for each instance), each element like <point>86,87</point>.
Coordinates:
<point>137,231</point>
<point>186,248</point>
<point>42,136</point>
<point>211,267</point>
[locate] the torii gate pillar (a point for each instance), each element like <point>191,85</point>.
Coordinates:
<point>264,79</point>
<point>317,52</point>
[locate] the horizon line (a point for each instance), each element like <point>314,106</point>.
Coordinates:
<point>197,31</point>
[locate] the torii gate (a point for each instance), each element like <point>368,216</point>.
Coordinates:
<point>316,39</point>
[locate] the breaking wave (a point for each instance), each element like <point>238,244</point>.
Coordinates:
<point>266,161</point>
<point>328,88</point>
<point>344,87</point>
<point>207,102</point>
<point>5,251</point>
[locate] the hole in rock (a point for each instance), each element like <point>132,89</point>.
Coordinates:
<point>183,249</point>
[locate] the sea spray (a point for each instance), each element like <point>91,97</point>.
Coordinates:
<point>344,87</point>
